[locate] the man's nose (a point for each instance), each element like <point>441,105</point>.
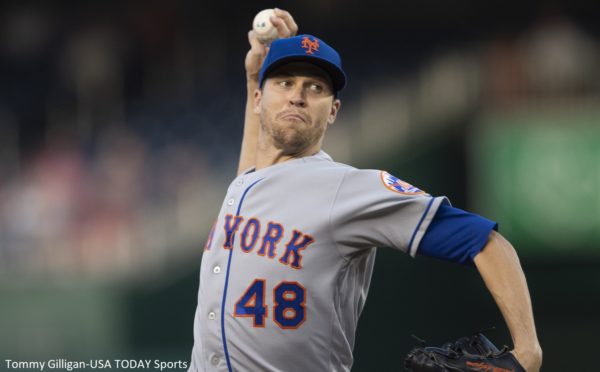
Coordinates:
<point>297,97</point>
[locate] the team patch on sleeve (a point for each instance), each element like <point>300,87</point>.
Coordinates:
<point>397,185</point>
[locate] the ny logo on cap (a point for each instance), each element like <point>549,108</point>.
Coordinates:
<point>310,46</point>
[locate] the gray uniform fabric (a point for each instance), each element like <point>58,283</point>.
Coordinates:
<point>302,235</point>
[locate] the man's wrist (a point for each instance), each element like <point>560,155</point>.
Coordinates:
<point>530,351</point>
<point>529,343</point>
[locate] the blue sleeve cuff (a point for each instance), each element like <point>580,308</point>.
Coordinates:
<point>456,235</point>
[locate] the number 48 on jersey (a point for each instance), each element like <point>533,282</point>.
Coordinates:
<point>289,304</point>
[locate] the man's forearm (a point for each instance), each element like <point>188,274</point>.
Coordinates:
<point>501,271</point>
<point>286,27</point>
<point>250,137</point>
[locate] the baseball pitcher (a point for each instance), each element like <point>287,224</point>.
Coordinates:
<point>286,269</point>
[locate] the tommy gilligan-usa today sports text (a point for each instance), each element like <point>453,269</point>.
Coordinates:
<point>73,365</point>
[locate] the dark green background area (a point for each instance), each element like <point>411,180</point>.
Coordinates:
<point>539,173</point>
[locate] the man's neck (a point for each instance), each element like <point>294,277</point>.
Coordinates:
<point>269,155</point>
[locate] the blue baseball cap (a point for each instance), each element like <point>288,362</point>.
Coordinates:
<point>304,48</point>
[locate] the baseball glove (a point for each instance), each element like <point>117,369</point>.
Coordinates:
<point>474,353</point>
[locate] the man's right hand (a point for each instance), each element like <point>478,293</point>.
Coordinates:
<point>286,27</point>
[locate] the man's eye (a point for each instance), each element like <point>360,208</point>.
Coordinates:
<point>285,83</point>
<point>317,88</point>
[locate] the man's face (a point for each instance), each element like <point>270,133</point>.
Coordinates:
<point>295,105</point>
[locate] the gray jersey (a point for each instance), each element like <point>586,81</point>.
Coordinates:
<point>286,270</point>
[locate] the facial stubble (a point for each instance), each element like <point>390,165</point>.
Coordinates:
<point>292,137</point>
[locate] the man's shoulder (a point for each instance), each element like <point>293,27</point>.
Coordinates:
<point>323,162</point>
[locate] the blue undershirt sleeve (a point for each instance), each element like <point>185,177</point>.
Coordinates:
<point>456,235</point>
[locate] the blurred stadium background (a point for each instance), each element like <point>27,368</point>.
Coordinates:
<point>120,123</point>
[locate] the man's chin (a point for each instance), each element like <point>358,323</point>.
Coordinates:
<point>293,139</point>
<point>291,146</point>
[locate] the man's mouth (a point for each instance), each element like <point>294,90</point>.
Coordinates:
<point>294,116</point>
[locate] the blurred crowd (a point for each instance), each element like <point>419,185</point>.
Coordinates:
<point>121,210</point>
<point>110,148</point>
<point>120,129</point>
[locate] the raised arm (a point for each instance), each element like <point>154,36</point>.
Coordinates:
<point>286,27</point>
<point>501,271</point>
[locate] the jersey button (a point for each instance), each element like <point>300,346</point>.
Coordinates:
<point>212,316</point>
<point>230,201</point>
<point>239,182</point>
<point>216,269</point>
<point>214,360</point>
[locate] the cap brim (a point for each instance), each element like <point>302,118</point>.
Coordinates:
<point>338,78</point>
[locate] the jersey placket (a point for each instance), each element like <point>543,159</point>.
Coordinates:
<point>232,207</point>
<point>214,278</point>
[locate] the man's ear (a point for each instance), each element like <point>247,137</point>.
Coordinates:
<point>257,100</point>
<point>335,108</point>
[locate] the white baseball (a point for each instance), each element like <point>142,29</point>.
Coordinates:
<point>263,27</point>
